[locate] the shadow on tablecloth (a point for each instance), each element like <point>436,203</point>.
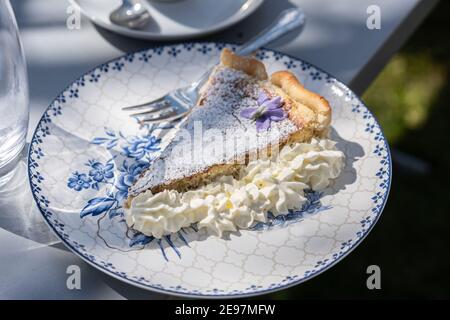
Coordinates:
<point>18,211</point>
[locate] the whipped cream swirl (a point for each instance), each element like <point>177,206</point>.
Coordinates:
<point>226,204</point>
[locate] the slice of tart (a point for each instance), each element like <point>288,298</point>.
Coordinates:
<point>242,116</point>
<point>234,87</point>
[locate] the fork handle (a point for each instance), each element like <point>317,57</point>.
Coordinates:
<point>288,20</point>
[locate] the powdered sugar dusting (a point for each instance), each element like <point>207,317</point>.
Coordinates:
<point>214,132</point>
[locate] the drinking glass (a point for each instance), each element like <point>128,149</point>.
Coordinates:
<point>14,107</point>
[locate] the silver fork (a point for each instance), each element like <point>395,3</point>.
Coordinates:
<point>177,103</point>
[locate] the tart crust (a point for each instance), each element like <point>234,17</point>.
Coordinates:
<point>306,108</point>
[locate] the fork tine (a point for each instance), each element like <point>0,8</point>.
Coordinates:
<point>167,117</point>
<point>145,105</point>
<point>157,109</point>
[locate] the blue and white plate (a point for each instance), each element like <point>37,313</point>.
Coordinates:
<point>86,152</point>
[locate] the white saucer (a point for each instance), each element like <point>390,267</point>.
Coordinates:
<point>173,20</point>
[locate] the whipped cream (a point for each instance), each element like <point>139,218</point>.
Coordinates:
<point>226,204</point>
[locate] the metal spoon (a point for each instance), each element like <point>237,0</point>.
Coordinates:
<point>131,14</point>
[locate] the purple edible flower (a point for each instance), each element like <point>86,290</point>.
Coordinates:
<point>268,110</point>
